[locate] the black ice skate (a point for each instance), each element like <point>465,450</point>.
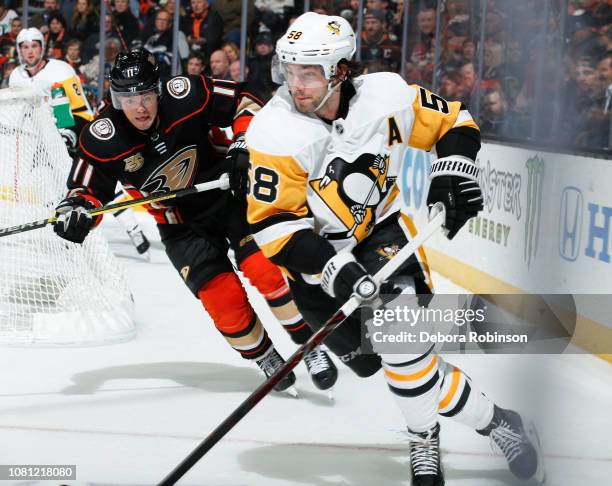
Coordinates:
<point>139,240</point>
<point>519,444</point>
<point>269,364</point>
<point>323,371</point>
<point>425,457</point>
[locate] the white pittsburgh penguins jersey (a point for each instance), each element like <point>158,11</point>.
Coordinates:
<point>55,71</point>
<point>339,180</point>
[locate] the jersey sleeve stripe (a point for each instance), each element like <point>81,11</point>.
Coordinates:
<point>273,232</point>
<point>275,219</point>
<point>465,120</point>
<point>88,174</point>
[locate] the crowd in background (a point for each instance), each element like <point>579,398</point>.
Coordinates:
<point>529,70</point>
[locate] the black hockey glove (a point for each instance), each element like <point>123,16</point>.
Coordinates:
<point>343,276</point>
<point>73,221</point>
<point>454,183</point>
<point>238,162</point>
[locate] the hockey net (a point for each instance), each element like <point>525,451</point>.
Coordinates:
<point>52,292</point>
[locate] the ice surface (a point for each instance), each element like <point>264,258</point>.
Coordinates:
<point>127,414</point>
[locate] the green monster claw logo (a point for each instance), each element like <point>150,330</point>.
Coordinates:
<point>535,171</point>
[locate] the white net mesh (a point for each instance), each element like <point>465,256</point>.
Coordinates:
<point>51,291</point>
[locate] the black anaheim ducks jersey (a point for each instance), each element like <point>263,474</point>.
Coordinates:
<point>173,154</point>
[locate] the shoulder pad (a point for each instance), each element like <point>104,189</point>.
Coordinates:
<point>101,141</point>
<point>183,97</point>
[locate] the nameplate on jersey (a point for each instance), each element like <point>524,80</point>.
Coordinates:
<point>134,162</point>
<point>102,129</point>
<point>179,87</point>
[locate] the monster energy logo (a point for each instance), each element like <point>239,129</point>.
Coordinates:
<point>535,171</point>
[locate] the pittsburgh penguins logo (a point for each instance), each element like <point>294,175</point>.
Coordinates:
<point>334,26</point>
<point>353,190</point>
<point>175,173</point>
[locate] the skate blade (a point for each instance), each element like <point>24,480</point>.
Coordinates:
<point>532,433</point>
<point>330,395</point>
<point>291,391</point>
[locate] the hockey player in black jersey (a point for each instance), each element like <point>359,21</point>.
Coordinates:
<point>153,139</point>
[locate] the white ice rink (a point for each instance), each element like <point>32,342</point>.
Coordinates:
<point>127,414</point>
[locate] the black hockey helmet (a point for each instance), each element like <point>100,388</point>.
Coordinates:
<point>133,73</point>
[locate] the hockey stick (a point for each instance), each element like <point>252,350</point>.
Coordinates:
<point>221,183</point>
<point>317,338</point>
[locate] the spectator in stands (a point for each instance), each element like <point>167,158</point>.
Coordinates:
<point>376,43</point>
<point>57,35</point>
<point>6,16</point>
<point>469,51</point>
<point>495,30</point>
<point>231,15</point>
<point>160,43</point>
<point>234,70</point>
<point>7,41</point>
<point>423,53</point>
<point>205,28</point>
<point>195,64</point>
<point>91,70</point>
<point>604,68</point>
<point>591,124</point>
<point>7,68</point>
<point>469,75</point>
<point>452,47</point>
<point>271,15</point>
<point>219,65</point>
<point>85,20</point>
<point>232,51</point>
<point>125,21</point>
<point>513,70</point>
<point>73,54</point>
<point>492,61</point>
<point>260,74</point>
<point>41,20</point>
<point>451,85</point>
<point>497,118</point>
<point>90,46</point>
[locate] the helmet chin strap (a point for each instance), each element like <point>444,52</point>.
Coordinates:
<point>330,91</point>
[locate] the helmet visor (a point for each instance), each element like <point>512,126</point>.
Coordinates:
<point>128,100</point>
<point>298,75</point>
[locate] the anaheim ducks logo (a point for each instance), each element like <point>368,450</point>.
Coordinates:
<point>334,26</point>
<point>353,190</point>
<point>177,172</point>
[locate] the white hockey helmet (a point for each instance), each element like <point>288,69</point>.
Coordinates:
<point>315,39</point>
<point>30,35</point>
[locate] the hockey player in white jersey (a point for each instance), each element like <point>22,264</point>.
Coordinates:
<point>40,74</point>
<point>325,155</point>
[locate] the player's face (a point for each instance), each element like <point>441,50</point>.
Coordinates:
<point>307,85</point>
<point>141,109</point>
<point>31,52</point>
